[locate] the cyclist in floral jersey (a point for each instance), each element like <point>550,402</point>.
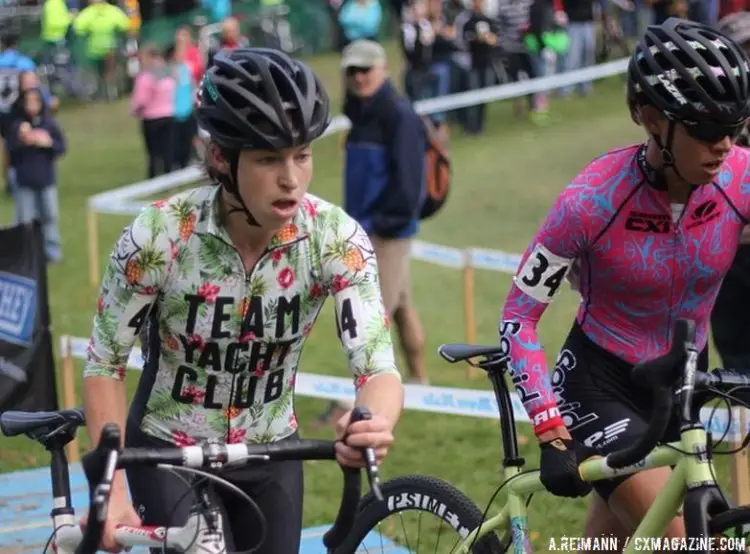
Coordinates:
<point>655,227</point>
<point>223,283</point>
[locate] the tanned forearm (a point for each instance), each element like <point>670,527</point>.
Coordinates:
<point>383,395</point>
<point>105,401</point>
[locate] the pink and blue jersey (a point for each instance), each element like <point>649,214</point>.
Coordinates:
<point>644,263</point>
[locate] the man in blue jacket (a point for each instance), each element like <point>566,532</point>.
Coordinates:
<point>384,186</point>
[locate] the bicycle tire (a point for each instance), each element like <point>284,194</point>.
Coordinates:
<point>371,511</point>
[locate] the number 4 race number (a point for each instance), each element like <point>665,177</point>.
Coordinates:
<point>542,274</point>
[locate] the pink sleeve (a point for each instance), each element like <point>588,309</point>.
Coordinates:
<point>142,92</point>
<point>540,276</point>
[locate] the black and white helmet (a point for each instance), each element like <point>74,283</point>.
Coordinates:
<point>691,72</point>
<point>261,98</point>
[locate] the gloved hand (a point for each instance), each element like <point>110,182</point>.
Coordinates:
<point>559,467</point>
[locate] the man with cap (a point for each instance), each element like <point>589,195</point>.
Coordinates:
<point>384,187</point>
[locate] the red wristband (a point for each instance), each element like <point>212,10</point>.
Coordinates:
<point>545,419</point>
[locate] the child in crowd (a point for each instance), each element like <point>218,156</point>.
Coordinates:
<point>35,142</point>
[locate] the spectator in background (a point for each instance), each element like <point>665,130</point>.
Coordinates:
<point>384,188</point>
<point>547,42</point>
<point>12,64</point>
<point>417,41</point>
<point>582,36</point>
<point>102,24</point>
<point>427,45</point>
<point>231,35</point>
<point>188,53</point>
<point>360,19</point>
<point>664,9</point>
<point>133,11</point>
<point>30,80</point>
<point>513,19</point>
<point>441,65</point>
<point>218,10</point>
<point>230,38</point>
<point>35,142</point>
<point>55,23</point>
<point>185,125</point>
<point>153,101</point>
<point>480,40</point>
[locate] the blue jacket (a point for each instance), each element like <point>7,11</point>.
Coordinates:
<point>384,168</point>
<point>35,166</point>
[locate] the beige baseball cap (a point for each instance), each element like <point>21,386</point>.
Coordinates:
<point>363,53</point>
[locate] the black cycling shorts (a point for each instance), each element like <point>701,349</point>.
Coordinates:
<point>730,319</point>
<point>599,403</point>
<point>162,498</point>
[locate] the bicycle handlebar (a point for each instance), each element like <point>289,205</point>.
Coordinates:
<point>100,464</point>
<point>662,375</point>
<point>659,375</point>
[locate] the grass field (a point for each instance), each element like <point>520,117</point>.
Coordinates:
<point>504,183</point>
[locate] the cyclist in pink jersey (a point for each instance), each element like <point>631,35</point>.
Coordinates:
<point>654,228</point>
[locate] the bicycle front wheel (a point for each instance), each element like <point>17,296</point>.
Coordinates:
<point>397,525</point>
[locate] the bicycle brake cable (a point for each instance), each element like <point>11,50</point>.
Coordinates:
<point>190,490</point>
<point>52,537</point>
<point>230,486</point>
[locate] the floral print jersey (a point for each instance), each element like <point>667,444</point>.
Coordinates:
<point>222,343</point>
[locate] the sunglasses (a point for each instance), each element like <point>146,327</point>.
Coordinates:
<point>711,132</point>
<point>354,70</point>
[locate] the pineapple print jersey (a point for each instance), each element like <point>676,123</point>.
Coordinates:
<point>222,344</point>
<point>641,268</point>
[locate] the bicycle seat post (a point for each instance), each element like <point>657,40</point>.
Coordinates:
<point>496,370</point>
<point>55,442</point>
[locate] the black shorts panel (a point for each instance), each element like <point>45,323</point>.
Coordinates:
<point>599,403</point>
<point>162,498</point>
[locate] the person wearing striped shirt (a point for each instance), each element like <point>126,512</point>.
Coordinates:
<point>513,19</point>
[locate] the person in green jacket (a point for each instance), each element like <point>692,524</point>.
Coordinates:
<point>56,19</point>
<point>102,24</point>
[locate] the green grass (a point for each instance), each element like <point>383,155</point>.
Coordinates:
<point>503,186</point>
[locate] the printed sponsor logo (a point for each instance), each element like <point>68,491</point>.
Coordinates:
<point>17,308</point>
<point>607,435</point>
<point>545,416</point>
<point>419,501</point>
<point>643,222</point>
<point>705,212</point>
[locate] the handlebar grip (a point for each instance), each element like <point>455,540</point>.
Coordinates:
<point>660,416</point>
<point>660,374</point>
<point>361,413</point>
<point>94,466</point>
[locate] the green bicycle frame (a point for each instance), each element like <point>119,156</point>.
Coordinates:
<point>689,471</point>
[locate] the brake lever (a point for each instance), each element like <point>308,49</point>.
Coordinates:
<point>371,466</point>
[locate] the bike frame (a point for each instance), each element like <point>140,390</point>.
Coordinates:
<point>194,538</point>
<point>693,474</point>
<point>68,532</point>
<point>512,520</point>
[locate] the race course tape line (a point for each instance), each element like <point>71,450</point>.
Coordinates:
<point>423,398</point>
<point>106,201</point>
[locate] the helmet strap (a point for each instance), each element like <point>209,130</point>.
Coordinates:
<point>665,150</point>
<point>229,182</point>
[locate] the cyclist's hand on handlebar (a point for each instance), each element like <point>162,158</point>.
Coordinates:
<point>119,512</point>
<point>375,433</point>
<point>559,467</point>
